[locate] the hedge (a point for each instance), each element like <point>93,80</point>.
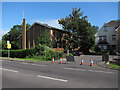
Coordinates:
<point>40,51</point>
<point>18,53</point>
<point>46,52</point>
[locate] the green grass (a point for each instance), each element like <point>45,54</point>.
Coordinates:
<point>28,59</point>
<point>114,66</point>
<point>31,59</point>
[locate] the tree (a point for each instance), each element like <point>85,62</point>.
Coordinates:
<point>97,49</point>
<point>80,32</point>
<point>44,39</point>
<point>12,36</point>
<point>3,44</point>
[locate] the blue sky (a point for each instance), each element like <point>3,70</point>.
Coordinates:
<point>49,12</point>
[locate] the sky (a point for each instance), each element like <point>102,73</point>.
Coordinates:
<point>50,12</point>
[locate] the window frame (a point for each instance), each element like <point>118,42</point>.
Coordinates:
<point>102,38</point>
<point>113,39</point>
<point>105,29</point>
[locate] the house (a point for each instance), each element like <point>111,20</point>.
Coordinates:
<point>107,36</point>
<point>29,37</point>
<point>118,39</point>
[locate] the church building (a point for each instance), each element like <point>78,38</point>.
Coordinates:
<point>29,37</point>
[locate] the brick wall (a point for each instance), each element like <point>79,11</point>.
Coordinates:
<point>59,49</point>
<point>36,30</point>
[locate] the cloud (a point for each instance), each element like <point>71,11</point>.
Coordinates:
<point>52,22</point>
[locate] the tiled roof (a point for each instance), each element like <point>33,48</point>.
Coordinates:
<point>103,42</point>
<point>45,25</point>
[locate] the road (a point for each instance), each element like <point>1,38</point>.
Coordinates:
<point>48,75</point>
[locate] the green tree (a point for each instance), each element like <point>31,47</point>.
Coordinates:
<point>3,44</point>
<point>97,49</point>
<point>44,39</point>
<point>80,32</point>
<point>12,36</point>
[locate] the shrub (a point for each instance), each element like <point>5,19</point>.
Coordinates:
<point>70,54</point>
<point>18,53</point>
<point>4,53</point>
<point>39,52</point>
<point>97,50</point>
<point>13,53</point>
<point>44,39</point>
<point>30,51</point>
<point>47,53</point>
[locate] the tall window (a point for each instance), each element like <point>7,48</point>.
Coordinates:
<point>113,37</point>
<point>100,47</point>
<point>100,38</point>
<point>104,47</point>
<point>104,38</point>
<point>105,28</point>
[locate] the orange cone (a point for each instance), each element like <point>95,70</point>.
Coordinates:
<point>60,60</point>
<point>53,60</point>
<point>82,62</point>
<point>91,62</point>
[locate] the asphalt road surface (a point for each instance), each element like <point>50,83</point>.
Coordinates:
<point>48,75</point>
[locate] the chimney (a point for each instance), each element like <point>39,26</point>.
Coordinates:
<point>24,35</point>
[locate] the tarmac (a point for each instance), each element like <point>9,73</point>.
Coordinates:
<point>99,63</point>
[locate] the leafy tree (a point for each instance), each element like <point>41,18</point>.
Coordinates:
<point>44,39</point>
<point>97,49</point>
<point>12,36</point>
<point>80,32</point>
<point>3,44</point>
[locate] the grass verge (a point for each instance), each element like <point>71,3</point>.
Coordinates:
<point>28,59</point>
<point>114,66</point>
<point>31,59</point>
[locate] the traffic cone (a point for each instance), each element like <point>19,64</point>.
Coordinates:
<point>60,60</point>
<point>53,60</point>
<point>82,62</point>
<point>91,62</point>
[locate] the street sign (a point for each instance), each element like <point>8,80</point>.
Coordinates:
<point>8,46</point>
<point>8,42</point>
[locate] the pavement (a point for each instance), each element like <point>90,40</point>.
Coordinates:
<point>102,64</point>
<point>27,74</point>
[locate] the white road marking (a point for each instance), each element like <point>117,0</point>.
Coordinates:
<point>52,78</point>
<point>8,70</point>
<point>100,71</point>
<point>39,65</point>
<point>88,70</point>
<point>74,69</point>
